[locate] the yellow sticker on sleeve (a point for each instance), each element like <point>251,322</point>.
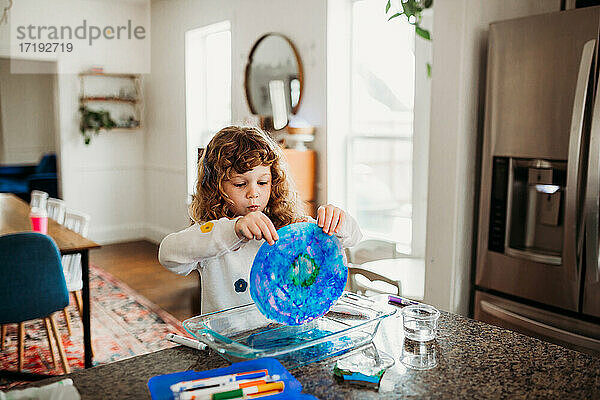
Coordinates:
<point>207,227</point>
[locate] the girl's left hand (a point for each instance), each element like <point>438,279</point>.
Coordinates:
<point>330,218</point>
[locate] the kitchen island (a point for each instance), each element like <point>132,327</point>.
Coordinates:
<point>474,360</point>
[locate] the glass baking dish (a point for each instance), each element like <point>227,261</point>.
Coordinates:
<point>243,333</point>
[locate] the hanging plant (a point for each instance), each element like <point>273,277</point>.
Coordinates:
<point>412,10</point>
<point>93,121</point>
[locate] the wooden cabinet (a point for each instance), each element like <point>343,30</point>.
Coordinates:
<point>302,167</point>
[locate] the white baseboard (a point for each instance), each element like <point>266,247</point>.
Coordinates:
<point>117,233</point>
<point>126,233</point>
<point>155,233</point>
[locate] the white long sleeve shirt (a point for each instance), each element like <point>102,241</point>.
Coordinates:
<point>223,259</point>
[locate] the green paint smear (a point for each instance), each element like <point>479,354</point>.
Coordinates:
<point>304,270</point>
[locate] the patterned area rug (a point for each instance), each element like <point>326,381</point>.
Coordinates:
<point>124,324</point>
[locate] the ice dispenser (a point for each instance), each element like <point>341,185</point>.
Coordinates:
<point>526,218</point>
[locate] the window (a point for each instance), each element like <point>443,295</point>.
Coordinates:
<point>380,171</point>
<point>207,89</point>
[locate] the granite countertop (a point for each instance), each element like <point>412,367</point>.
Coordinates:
<point>474,360</point>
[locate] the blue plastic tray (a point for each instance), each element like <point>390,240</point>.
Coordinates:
<point>160,385</point>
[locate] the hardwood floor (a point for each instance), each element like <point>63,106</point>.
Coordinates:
<point>136,264</point>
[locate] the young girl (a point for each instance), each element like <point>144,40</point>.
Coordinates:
<point>242,197</point>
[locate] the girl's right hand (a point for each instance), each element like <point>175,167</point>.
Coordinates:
<point>256,225</point>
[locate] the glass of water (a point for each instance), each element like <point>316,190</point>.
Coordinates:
<point>420,322</point>
<point>418,355</point>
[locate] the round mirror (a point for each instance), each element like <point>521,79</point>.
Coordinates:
<point>274,78</point>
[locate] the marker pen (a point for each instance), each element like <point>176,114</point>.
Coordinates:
<point>218,380</point>
<point>399,301</point>
<point>194,344</point>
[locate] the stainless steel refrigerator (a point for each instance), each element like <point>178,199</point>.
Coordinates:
<point>537,268</point>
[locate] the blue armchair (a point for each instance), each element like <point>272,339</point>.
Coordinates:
<point>22,179</point>
<point>32,286</point>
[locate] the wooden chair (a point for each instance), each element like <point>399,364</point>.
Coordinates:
<point>80,223</point>
<point>371,250</point>
<point>56,209</point>
<point>367,288</point>
<point>33,287</point>
<point>366,251</point>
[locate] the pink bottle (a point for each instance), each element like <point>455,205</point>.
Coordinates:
<point>39,220</point>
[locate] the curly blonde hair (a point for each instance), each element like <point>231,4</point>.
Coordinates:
<point>234,150</point>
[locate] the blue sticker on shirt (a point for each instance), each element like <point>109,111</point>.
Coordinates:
<point>240,285</point>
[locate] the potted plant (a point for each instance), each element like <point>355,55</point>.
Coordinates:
<point>412,10</point>
<point>94,120</point>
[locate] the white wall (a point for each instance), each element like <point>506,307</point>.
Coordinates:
<point>339,31</point>
<point>302,21</point>
<point>458,84</point>
<point>422,110</point>
<point>27,115</point>
<point>104,179</point>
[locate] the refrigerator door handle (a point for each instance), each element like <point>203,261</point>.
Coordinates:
<point>537,327</point>
<point>573,235</point>
<point>592,192</point>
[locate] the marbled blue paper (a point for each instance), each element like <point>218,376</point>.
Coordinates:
<point>299,277</point>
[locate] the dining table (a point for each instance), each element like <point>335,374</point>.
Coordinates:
<point>14,218</point>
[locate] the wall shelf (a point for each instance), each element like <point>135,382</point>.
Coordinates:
<point>119,94</point>
<point>108,99</point>
<point>108,75</point>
